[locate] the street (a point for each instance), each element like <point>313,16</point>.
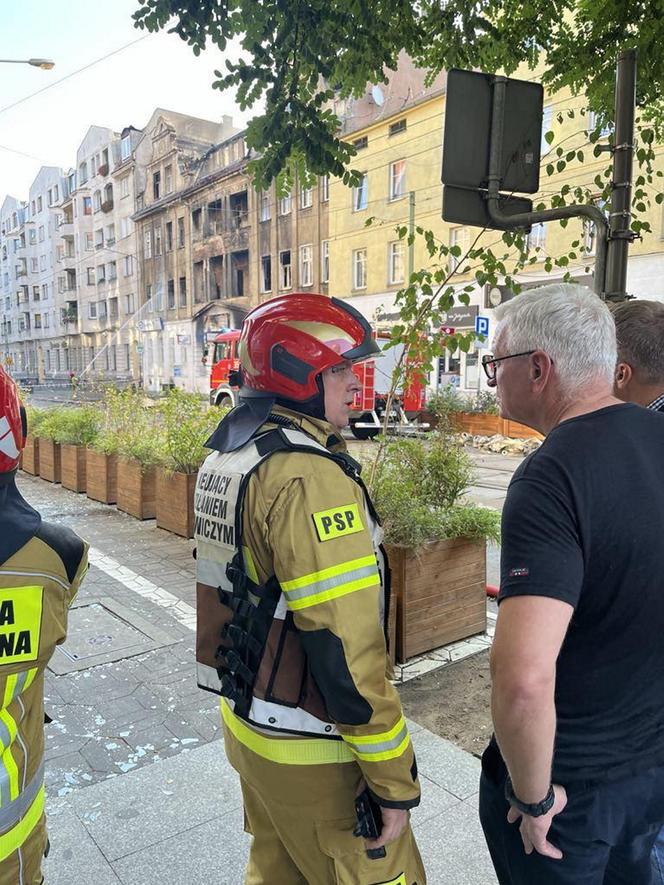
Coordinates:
<point>123,698</point>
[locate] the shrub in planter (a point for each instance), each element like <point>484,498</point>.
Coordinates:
<point>101,459</point>
<point>140,450</point>
<point>187,423</point>
<point>49,449</point>
<point>436,542</point>
<point>77,428</point>
<point>30,455</point>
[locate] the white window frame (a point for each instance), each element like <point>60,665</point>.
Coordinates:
<point>361,194</point>
<point>264,287</point>
<point>396,262</point>
<point>459,236</point>
<point>306,197</point>
<point>397,180</point>
<point>360,268</point>
<point>325,261</point>
<point>265,207</point>
<point>286,270</point>
<point>285,205</point>
<point>325,189</point>
<point>536,238</point>
<point>306,265</point>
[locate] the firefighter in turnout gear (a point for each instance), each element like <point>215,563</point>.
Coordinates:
<point>292,598</point>
<point>41,567</point>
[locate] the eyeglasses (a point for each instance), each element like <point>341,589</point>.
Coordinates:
<point>490,362</point>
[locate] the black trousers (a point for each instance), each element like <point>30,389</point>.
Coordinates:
<point>606,831</point>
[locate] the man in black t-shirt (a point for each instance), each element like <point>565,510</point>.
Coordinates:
<point>572,789</point>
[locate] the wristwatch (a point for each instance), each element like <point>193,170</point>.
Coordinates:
<point>534,809</point>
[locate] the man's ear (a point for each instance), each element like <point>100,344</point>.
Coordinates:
<point>540,365</point>
<point>622,376</point>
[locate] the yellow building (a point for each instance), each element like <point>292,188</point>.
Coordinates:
<point>398,131</point>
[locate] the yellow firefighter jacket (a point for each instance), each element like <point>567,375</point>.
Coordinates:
<point>321,693</point>
<point>37,585</point>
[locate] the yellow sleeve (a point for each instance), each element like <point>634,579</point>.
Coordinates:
<point>325,563</point>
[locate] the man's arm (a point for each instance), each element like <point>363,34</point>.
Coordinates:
<point>529,634</point>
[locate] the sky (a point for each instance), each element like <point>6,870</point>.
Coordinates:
<point>158,71</point>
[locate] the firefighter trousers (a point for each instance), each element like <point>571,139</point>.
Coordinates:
<point>23,866</point>
<point>297,842</point>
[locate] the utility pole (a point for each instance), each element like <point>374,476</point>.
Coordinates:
<point>411,233</point>
<point>620,233</point>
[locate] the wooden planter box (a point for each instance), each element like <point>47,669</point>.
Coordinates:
<point>481,424</point>
<point>440,594</point>
<point>136,489</point>
<point>101,476</point>
<point>49,460</point>
<point>175,502</point>
<point>30,456</point>
<point>73,467</point>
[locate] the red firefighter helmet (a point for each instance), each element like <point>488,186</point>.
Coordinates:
<point>286,343</point>
<point>11,425</point>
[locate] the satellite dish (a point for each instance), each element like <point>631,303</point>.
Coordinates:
<point>377,95</point>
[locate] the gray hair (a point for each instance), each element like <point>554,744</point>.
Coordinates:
<point>570,324</point>
<point>640,333</point>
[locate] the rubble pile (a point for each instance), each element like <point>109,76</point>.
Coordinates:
<point>502,445</point>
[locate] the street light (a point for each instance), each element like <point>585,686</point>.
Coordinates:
<point>44,63</point>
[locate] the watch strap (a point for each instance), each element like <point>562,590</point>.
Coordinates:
<point>532,809</point>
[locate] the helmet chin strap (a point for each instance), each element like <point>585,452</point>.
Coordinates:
<point>314,407</point>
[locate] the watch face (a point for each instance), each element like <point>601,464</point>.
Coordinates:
<point>495,296</point>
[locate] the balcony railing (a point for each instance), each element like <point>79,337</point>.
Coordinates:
<point>107,206</point>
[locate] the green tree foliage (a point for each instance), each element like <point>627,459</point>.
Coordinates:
<point>296,54</point>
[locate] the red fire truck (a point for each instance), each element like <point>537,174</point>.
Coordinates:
<point>375,376</point>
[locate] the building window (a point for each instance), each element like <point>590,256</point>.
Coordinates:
<point>183,291</point>
<point>87,205</point>
<point>170,294</point>
<point>40,204</point>
<point>285,205</point>
<point>325,261</point>
<point>102,311</point>
<point>360,269</point>
<point>89,242</point>
<point>306,197</point>
<point>42,233</point>
<point>306,265</point>
<point>180,233</point>
<point>589,230</point>
<point>49,197</point>
<point>45,320</point>
<point>157,241</point>
<point>594,123</point>
<point>34,265</point>
<point>396,262</point>
<point>129,303</point>
<point>92,310</point>
<point>361,193</point>
<point>147,244</point>
<point>44,291</point>
<point>90,271</point>
<point>547,119</point>
<point>32,236</point>
<point>168,245</point>
<point>42,262</point>
<point>397,179</point>
<point>124,186</point>
<point>399,126</point>
<point>38,322</point>
<point>96,201</point>
<point>285,275</point>
<point>101,273</point>
<point>265,207</point>
<point>266,273</point>
<point>159,297</point>
<point>156,185</point>
<point>536,239</point>
<point>459,237</point>
<point>110,235</point>
<point>112,271</point>
<point>168,180</point>
<point>360,143</point>
<point>125,147</point>
<point>325,189</point>
<point>148,296</point>
<point>99,238</point>
<point>35,293</point>
<point>113,308</point>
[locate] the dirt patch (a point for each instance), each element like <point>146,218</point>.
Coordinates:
<point>454,702</point>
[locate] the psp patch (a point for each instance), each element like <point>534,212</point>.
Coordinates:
<point>20,623</point>
<point>337,522</point>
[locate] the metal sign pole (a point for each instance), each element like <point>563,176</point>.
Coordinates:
<point>621,197</point>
